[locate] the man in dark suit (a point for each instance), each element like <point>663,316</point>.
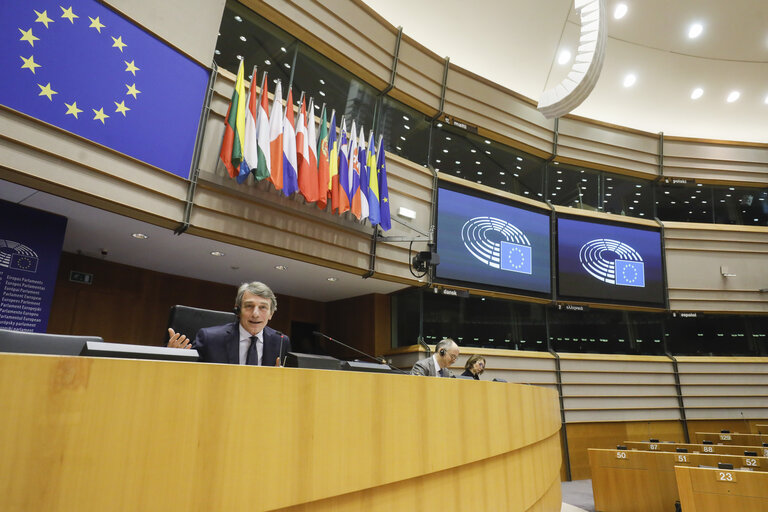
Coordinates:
<point>446,353</point>
<point>247,341</point>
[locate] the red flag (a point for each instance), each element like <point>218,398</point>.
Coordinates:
<point>306,177</point>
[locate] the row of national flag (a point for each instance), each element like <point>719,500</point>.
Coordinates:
<point>325,165</point>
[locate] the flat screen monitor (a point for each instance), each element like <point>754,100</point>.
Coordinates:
<point>493,243</point>
<point>609,262</point>
<point>41,343</point>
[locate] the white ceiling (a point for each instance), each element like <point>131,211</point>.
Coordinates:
<point>91,231</point>
<point>515,43</point>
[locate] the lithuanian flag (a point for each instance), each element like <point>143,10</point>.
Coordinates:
<point>234,130</point>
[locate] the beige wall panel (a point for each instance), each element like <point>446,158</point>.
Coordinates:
<point>735,413</point>
<point>694,257</point>
<point>608,146</point>
<point>725,379</point>
<point>192,26</point>
<point>419,73</point>
<point>591,415</point>
<point>42,157</point>
<point>717,161</point>
<point>745,402</point>
<point>715,390</point>
<point>502,102</point>
<point>343,31</point>
<point>612,378</point>
<point>624,402</point>
<point>662,366</point>
<point>726,365</point>
<point>623,390</point>
<point>522,135</point>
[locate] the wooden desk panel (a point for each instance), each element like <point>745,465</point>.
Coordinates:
<point>696,448</point>
<point>732,438</point>
<point>109,434</point>
<point>717,490</point>
<point>638,481</point>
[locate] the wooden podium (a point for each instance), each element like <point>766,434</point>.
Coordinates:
<point>88,434</point>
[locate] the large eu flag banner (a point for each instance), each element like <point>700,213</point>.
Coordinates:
<point>84,68</point>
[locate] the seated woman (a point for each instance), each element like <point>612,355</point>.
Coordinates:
<point>474,367</point>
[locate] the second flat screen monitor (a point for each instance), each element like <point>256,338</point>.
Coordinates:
<point>611,263</point>
<point>487,243</point>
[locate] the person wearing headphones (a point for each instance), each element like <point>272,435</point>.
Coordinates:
<point>446,353</point>
<point>246,341</point>
<point>474,367</point>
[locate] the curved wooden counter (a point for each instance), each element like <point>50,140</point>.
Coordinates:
<point>108,434</point>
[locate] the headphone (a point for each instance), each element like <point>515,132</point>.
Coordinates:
<point>236,310</point>
<point>442,352</point>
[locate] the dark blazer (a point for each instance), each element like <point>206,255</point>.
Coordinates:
<point>468,373</point>
<point>221,344</point>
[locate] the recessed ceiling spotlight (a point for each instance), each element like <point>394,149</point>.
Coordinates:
<point>140,236</point>
<point>238,19</point>
<point>564,57</point>
<point>733,96</point>
<point>243,39</point>
<point>281,267</point>
<point>697,93</point>
<point>620,11</point>
<point>695,30</point>
<point>630,80</point>
<point>217,253</point>
<point>332,279</point>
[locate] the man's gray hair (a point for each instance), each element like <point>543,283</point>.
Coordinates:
<point>445,343</point>
<point>256,288</point>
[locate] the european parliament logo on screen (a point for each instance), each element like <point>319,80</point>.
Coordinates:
<point>85,69</point>
<point>613,262</point>
<point>498,244</point>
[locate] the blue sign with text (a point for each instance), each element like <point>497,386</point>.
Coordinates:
<point>30,247</point>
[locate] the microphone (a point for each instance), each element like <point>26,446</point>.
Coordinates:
<point>280,352</point>
<point>423,344</point>
<point>380,361</point>
<point>746,423</point>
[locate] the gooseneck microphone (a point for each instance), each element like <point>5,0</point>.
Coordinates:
<point>318,333</point>
<point>378,360</point>
<point>280,351</point>
<point>424,345</point>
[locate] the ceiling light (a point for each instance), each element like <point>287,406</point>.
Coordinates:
<point>697,93</point>
<point>238,19</point>
<point>620,11</point>
<point>630,80</point>
<point>405,118</point>
<point>322,82</point>
<point>695,30</point>
<point>406,127</point>
<point>283,49</point>
<point>218,52</point>
<point>267,62</point>
<point>217,253</point>
<point>281,267</point>
<point>243,39</point>
<point>733,96</point>
<point>140,236</point>
<point>564,57</point>
<point>439,125</point>
<point>332,279</point>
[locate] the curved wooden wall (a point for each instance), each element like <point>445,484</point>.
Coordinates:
<point>116,434</point>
